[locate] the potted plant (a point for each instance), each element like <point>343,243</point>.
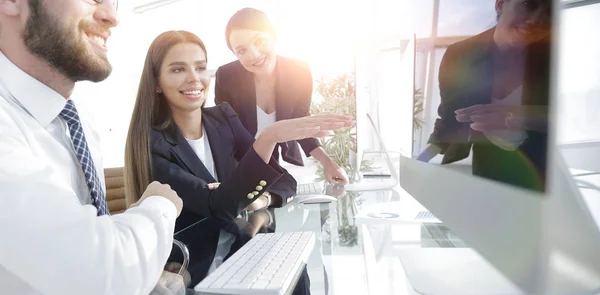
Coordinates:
<point>338,96</point>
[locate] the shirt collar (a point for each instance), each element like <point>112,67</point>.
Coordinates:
<point>42,102</point>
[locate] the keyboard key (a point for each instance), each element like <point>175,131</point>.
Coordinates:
<point>249,280</point>
<point>273,266</point>
<point>239,286</point>
<point>268,273</point>
<point>204,284</point>
<point>260,285</point>
<point>267,268</point>
<point>219,283</point>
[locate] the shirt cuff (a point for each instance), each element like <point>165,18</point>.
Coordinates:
<point>158,203</point>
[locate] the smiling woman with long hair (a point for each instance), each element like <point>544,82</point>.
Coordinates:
<point>174,139</point>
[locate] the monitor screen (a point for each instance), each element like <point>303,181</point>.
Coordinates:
<point>488,93</point>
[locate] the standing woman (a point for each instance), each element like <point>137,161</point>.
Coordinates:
<point>263,87</point>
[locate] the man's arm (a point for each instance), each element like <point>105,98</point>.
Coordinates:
<point>57,246</point>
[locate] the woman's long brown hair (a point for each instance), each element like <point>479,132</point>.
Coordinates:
<point>150,111</point>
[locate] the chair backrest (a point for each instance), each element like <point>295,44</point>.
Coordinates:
<point>115,189</point>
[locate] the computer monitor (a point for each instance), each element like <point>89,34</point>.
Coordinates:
<point>572,213</point>
<point>526,216</point>
<point>363,79</point>
<point>385,87</point>
<point>377,181</point>
<point>395,92</point>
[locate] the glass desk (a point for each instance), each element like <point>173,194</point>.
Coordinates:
<point>350,256</point>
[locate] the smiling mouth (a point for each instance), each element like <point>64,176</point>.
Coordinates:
<point>98,39</point>
<point>196,92</point>
<point>260,62</point>
<point>531,30</point>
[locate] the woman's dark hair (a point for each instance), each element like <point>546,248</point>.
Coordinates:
<point>150,111</point>
<point>248,19</point>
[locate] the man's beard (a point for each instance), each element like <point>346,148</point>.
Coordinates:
<point>62,48</point>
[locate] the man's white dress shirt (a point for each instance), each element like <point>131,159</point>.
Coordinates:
<point>51,241</point>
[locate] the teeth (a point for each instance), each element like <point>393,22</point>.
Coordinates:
<point>99,40</point>
<point>194,92</point>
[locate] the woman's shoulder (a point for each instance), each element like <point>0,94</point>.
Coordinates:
<point>229,69</point>
<point>288,62</point>
<point>160,140</point>
<point>221,111</point>
<point>471,45</point>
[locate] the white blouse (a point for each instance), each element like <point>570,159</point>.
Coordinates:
<point>263,120</point>
<point>202,149</point>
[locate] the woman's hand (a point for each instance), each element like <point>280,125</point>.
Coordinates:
<point>335,174</point>
<point>306,127</point>
<point>260,203</point>
<point>487,117</point>
<point>295,129</point>
<point>213,185</point>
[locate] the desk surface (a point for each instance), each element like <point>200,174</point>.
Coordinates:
<point>355,256</point>
<point>359,256</point>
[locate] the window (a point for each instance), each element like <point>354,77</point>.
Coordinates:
<point>579,77</point>
<point>465,17</point>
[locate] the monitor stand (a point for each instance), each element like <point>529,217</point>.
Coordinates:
<point>440,271</point>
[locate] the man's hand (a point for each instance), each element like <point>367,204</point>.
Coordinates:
<point>175,267</point>
<point>169,284</point>
<point>163,190</point>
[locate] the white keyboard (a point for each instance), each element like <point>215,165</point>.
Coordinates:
<point>309,188</point>
<point>268,264</point>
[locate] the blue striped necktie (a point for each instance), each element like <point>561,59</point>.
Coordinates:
<point>70,115</point>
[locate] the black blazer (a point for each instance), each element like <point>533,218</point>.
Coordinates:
<point>239,169</point>
<point>466,79</point>
<point>293,94</point>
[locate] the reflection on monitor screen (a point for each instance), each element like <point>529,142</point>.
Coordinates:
<point>494,95</point>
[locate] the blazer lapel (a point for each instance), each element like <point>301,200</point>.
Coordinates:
<point>217,146</point>
<point>187,156</point>
<point>485,59</point>
<point>283,101</point>
<point>537,75</point>
<point>248,100</point>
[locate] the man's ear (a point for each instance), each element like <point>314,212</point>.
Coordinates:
<point>12,7</point>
